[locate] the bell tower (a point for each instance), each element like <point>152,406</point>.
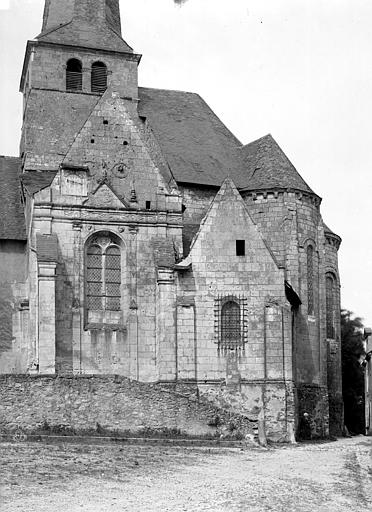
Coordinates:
<point>68,66</point>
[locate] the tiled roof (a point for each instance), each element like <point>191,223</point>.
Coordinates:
<point>34,181</point>
<point>202,151</point>
<point>12,219</point>
<point>197,145</point>
<point>267,166</point>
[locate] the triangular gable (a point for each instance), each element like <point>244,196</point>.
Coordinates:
<point>228,217</point>
<point>112,144</point>
<point>104,196</point>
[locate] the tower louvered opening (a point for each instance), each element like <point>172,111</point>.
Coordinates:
<point>74,75</point>
<point>99,77</point>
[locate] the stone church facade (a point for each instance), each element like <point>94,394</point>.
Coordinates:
<point>139,237</point>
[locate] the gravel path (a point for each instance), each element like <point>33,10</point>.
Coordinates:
<point>335,476</point>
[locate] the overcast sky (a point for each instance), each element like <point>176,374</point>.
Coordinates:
<point>298,69</point>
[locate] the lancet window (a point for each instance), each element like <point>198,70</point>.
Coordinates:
<point>330,305</point>
<point>310,279</point>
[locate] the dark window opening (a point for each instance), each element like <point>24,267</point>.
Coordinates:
<point>240,247</point>
<point>125,143</point>
<point>230,324</point>
<point>310,279</point>
<point>92,141</point>
<point>148,205</point>
<point>74,75</point>
<point>105,121</point>
<point>330,306</point>
<point>99,77</point>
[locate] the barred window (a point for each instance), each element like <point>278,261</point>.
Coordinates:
<point>330,306</point>
<point>103,275</point>
<point>230,323</point>
<point>310,280</point>
<point>74,75</point>
<point>99,77</point>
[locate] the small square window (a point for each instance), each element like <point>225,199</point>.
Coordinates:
<point>148,205</point>
<point>240,247</point>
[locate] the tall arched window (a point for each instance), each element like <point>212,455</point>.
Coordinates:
<point>231,335</point>
<point>74,75</point>
<point>330,306</point>
<point>99,77</point>
<point>310,279</point>
<point>103,274</point>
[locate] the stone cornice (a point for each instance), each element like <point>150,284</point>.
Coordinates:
<point>332,239</point>
<point>276,192</point>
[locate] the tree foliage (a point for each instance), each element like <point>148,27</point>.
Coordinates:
<point>352,371</point>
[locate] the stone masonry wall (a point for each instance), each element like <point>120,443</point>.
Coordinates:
<point>53,116</point>
<point>13,315</point>
<point>113,404</point>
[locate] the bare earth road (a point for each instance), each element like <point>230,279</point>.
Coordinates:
<point>335,476</point>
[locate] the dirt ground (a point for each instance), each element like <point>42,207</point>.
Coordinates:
<point>334,476</point>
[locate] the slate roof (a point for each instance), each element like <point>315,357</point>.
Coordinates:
<point>267,166</point>
<point>197,145</point>
<point>12,219</point>
<point>200,150</point>
<point>34,181</point>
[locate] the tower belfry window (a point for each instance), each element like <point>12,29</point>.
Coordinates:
<point>99,77</point>
<point>74,75</point>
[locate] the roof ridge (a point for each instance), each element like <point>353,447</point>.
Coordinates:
<point>268,135</point>
<point>169,90</point>
<point>7,156</point>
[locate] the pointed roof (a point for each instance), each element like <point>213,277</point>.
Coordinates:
<point>266,166</point>
<point>88,23</point>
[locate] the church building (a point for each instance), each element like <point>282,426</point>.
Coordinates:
<point>139,237</point>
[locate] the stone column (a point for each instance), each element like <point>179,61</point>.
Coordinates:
<point>166,325</point>
<point>47,316</point>
<point>77,312</point>
<point>133,370</point>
